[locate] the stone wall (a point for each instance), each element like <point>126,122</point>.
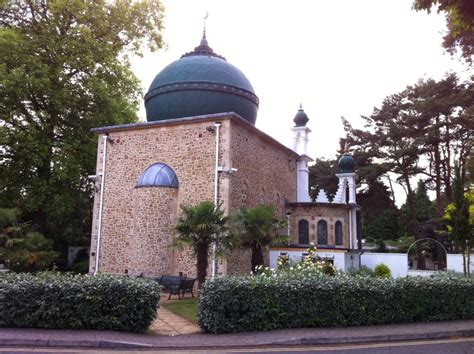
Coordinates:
<point>266,175</point>
<point>315,212</point>
<point>188,148</point>
<point>138,223</point>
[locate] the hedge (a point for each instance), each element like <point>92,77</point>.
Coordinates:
<point>236,304</point>
<point>54,300</point>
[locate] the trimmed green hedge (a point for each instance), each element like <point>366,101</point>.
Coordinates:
<point>54,300</point>
<point>236,304</point>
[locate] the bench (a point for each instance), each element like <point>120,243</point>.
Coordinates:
<point>177,285</point>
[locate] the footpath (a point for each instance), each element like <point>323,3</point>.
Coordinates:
<point>169,331</point>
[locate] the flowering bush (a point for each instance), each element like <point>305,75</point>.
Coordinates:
<point>310,266</point>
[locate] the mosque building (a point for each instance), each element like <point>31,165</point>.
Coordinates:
<point>199,144</point>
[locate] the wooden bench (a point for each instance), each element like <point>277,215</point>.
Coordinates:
<point>177,285</point>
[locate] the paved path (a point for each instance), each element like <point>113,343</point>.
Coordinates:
<point>168,324</point>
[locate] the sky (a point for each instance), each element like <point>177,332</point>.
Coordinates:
<point>338,58</point>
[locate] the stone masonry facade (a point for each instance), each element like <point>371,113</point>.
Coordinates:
<point>313,213</point>
<point>137,223</point>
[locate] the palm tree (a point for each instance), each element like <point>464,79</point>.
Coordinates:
<point>199,227</point>
<point>257,228</point>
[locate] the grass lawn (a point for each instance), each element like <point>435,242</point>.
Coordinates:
<point>186,308</point>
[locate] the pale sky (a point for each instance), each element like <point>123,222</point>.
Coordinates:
<point>337,58</point>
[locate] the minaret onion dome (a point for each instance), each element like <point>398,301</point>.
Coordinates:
<point>346,163</point>
<point>301,118</point>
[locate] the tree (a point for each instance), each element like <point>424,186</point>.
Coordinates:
<point>64,68</point>
<point>460,22</point>
<point>257,228</point>
<point>460,221</point>
<point>445,111</point>
<point>380,216</point>
<point>423,205</point>
<point>21,247</point>
<point>200,227</point>
<point>322,176</point>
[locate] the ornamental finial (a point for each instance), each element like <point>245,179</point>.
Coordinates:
<point>204,27</point>
<point>346,148</point>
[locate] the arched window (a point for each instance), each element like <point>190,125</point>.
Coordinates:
<point>338,233</point>
<point>322,232</point>
<point>303,232</point>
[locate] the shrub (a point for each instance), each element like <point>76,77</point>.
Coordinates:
<point>81,267</point>
<point>383,271</point>
<point>235,304</point>
<point>54,300</point>
<point>362,271</point>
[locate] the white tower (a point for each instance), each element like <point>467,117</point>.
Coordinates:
<point>346,193</point>
<point>300,145</point>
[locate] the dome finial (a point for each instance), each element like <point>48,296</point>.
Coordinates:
<point>301,106</point>
<point>346,147</point>
<point>204,39</point>
<point>204,27</point>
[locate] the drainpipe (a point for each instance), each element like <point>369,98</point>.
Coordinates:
<point>101,204</point>
<point>217,125</point>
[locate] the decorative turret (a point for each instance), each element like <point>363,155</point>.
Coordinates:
<point>346,177</point>
<point>300,146</point>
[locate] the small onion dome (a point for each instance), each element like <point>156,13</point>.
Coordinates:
<point>346,163</point>
<point>158,175</point>
<point>301,118</point>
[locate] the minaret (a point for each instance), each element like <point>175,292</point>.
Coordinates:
<point>346,194</point>
<point>300,145</point>
<point>347,179</point>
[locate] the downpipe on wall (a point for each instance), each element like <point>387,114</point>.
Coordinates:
<point>101,202</point>
<point>217,125</point>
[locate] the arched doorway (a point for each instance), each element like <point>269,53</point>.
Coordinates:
<point>432,250</point>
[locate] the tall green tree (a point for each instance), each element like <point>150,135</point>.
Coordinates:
<point>460,222</point>
<point>380,217</point>
<point>460,22</point>
<point>200,227</point>
<point>257,228</point>
<point>445,116</point>
<point>65,68</point>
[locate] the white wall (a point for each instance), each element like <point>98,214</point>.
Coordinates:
<point>454,262</point>
<point>341,260</point>
<point>397,262</point>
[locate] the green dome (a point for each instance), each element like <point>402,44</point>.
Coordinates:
<point>346,164</point>
<point>301,118</point>
<point>200,83</point>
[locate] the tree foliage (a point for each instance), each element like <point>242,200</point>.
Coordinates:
<point>64,68</point>
<point>257,228</point>
<point>23,249</point>
<point>460,221</point>
<point>200,227</point>
<point>460,22</point>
